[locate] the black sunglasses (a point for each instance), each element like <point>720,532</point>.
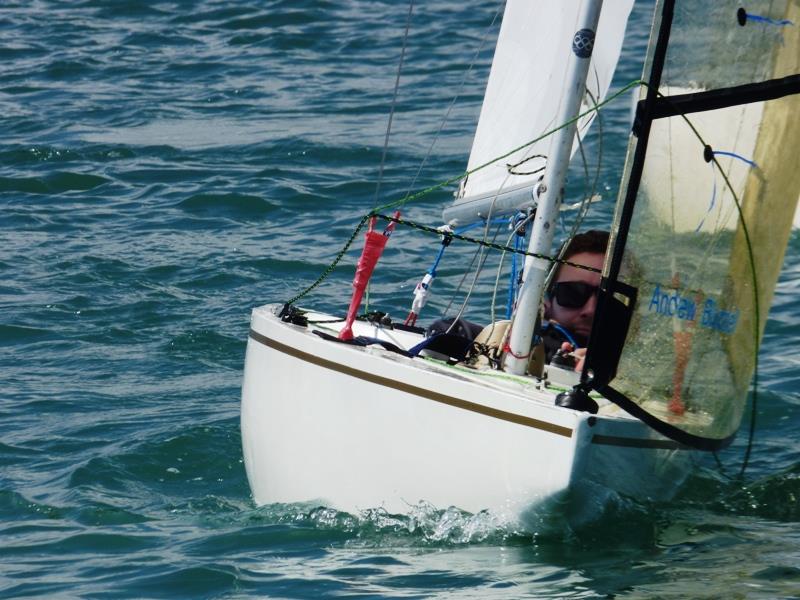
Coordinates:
<point>573,294</point>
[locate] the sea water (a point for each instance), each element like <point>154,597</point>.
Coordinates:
<point>164,167</point>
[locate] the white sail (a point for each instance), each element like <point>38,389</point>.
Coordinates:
<point>522,97</point>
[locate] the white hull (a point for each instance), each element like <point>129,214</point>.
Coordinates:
<point>355,428</point>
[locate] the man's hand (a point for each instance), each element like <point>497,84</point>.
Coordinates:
<point>578,355</point>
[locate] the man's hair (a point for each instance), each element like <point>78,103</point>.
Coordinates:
<point>594,241</point>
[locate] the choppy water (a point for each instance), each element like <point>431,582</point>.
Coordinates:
<point>164,167</point>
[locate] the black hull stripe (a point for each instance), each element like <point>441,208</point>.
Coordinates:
<point>612,440</point>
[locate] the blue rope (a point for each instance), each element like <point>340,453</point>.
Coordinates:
<point>734,155</point>
<point>459,231</point>
<point>512,285</point>
<point>767,20</point>
<point>711,204</point>
<point>515,222</point>
<point>432,270</point>
<point>714,189</point>
<point>566,334</point>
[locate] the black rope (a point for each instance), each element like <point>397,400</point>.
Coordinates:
<point>510,168</point>
<point>495,246</point>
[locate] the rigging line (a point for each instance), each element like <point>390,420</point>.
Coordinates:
<point>463,279</point>
<point>478,252</point>
<point>491,211</point>
<point>756,304</point>
<point>389,124</point>
<point>714,189</point>
<point>757,322</point>
<point>453,102</point>
<point>578,219</point>
<point>492,309</point>
<point>720,466</point>
<point>716,236</point>
<point>515,226</point>
<point>667,75</point>
<point>394,104</point>
<point>510,168</point>
<point>465,174</point>
<point>591,190</point>
<point>333,264</point>
<point>482,261</point>
<point>513,278</point>
<point>484,258</point>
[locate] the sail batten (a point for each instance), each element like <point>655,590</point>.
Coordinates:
<point>699,101</point>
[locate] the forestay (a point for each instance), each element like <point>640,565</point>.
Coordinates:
<point>522,99</point>
<point>706,271</point>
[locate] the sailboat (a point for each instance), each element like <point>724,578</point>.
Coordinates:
<point>685,290</point>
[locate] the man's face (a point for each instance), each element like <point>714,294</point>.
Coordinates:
<point>577,320</point>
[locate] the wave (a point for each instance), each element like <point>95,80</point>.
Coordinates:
<point>55,183</point>
<point>37,154</point>
<point>236,206</point>
<point>208,346</point>
<point>20,334</point>
<point>772,497</point>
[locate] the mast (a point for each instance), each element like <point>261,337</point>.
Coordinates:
<point>551,191</point>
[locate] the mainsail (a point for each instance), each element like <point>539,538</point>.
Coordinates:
<point>702,238</point>
<point>522,99</point>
